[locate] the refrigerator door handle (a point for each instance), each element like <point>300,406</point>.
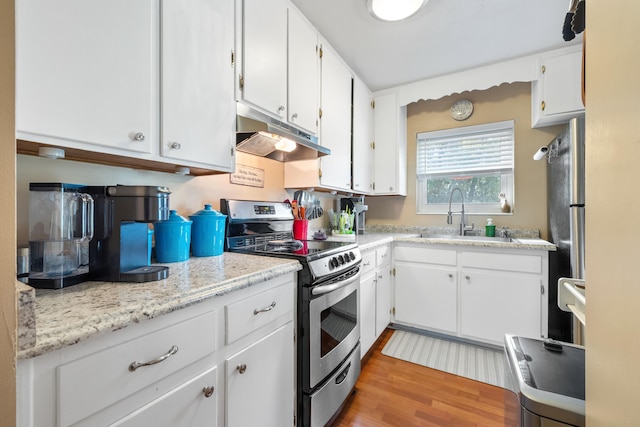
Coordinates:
<point>576,229</point>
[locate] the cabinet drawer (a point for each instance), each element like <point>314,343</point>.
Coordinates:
<point>254,312</point>
<point>368,262</point>
<point>382,256</point>
<point>191,401</point>
<point>425,255</point>
<point>94,382</point>
<point>505,262</point>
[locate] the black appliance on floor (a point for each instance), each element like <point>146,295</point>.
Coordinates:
<point>327,311</point>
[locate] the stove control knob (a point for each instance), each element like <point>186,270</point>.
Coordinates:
<point>333,263</point>
<point>341,259</point>
<point>352,256</point>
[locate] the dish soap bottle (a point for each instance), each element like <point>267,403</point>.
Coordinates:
<point>490,228</point>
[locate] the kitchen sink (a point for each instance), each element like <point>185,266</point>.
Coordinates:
<point>467,238</point>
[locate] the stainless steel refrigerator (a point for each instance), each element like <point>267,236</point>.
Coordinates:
<point>566,213</point>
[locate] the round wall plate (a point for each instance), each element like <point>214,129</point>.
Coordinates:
<point>462,109</point>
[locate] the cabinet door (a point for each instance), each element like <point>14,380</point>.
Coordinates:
<point>198,104</point>
<point>383,299</point>
<point>367,312</point>
<point>363,156</point>
<point>264,55</point>
<point>426,296</point>
<point>390,147</point>
<point>335,123</point>
<point>561,90</point>
<point>556,95</point>
<point>494,304</point>
<point>86,74</point>
<point>260,384</point>
<point>194,403</point>
<point>304,83</point>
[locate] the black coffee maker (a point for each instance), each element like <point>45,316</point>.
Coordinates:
<point>119,250</point>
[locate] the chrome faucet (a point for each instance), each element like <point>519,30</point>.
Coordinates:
<point>463,228</point>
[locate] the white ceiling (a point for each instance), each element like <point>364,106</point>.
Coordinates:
<point>444,37</point>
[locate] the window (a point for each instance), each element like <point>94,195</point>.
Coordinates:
<point>476,159</point>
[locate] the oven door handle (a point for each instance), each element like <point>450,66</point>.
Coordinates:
<point>325,289</point>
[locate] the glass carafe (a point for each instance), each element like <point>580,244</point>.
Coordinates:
<point>60,227</point>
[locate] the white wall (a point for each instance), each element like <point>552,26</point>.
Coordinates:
<point>613,213</point>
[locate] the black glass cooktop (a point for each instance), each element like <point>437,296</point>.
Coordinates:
<point>297,248</point>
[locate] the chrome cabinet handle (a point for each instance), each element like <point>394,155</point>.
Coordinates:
<point>135,365</point>
<point>450,276</point>
<point>281,108</point>
<point>294,116</point>
<point>242,368</point>
<point>175,146</point>
<point>139,136</point>
<point>208,391</point>
<point>264,310</point>
<point>467,277</point>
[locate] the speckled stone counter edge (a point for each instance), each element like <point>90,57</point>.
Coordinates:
<point>70,315</point>
<point>26,300</point>
<point>521,233</point>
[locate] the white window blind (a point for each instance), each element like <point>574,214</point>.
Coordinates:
<point>486,148</point>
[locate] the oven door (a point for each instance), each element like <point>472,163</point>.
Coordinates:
<point>334,328</point>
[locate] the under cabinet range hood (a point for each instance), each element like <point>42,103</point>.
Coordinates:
<point>261,135</point>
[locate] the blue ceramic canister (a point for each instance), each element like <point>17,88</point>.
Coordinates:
<point>207,232</point>
<point>173,238</point>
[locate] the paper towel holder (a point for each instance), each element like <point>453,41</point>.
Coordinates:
<point>542,151</point>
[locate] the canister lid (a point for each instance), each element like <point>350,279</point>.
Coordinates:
<point>207,212</point>
<point>174,217</point>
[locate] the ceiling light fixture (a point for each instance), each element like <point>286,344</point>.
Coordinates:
<point>394,10</point>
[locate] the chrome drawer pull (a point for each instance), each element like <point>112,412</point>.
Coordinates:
<point>242,368</point>
<point>136,365</point>
<point>264,310</point>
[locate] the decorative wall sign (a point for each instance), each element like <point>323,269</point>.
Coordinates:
<point>246,175</point>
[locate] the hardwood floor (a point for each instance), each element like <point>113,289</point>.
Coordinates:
<point>395,393</point>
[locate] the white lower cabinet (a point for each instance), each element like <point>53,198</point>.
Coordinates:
<point>257,378</point>
<point>492,304</point>
<point>426,297</point>
<point>195,403</point>
<point>479,294</point>
<point>170,371</point>
<point>375,295</point>
<point>367,302</point>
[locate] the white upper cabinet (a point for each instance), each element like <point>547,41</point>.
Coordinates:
<point>335,123</point>
<point>198,103</point>
<point>263,78</point>
<point>304,73</point>
<point>88,78</point>
<point>86,74</point>
<point>390,142</point>
<point>363,154</point>
<point>331,172</point>
<point>556,96</point>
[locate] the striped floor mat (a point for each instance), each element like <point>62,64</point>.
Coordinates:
<point>465,360</point>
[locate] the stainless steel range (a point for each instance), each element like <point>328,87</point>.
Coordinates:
<point>328,311</point>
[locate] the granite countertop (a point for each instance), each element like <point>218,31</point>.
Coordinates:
<point>58,318</point>
<point>521,238</point>
<point>515,243</point>
<point>527,241</point>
